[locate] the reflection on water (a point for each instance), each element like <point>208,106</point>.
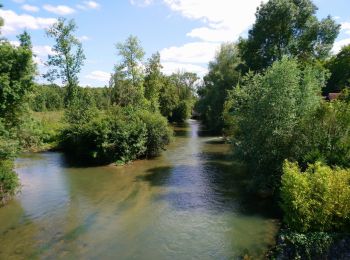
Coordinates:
<point>188,203</point>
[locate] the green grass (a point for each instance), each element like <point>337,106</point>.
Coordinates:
<point>51,123</point>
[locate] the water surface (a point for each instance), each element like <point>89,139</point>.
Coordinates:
<point>186,204</point>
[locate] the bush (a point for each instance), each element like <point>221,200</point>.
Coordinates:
<point>317,199</point>
<point>267,110</point>
<point>8,178</point>
<point>182,112</point>
<point>325,135</point>
<point>158,132</point>
<point>9,182</point>
<point>118,135</point>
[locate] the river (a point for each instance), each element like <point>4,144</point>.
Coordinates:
<point>186,204</point>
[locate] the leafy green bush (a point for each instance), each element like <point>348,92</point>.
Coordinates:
<point>8,178</point>
<point>325,135</point>
<point>118,135</point>
<point>182,112</point>
<point>267,110</point>
<point>317,199</point>
<point>9,181</point>
<point>158,132</point>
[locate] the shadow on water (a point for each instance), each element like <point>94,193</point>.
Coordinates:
<point>71,161</point>
<point>217,185</point>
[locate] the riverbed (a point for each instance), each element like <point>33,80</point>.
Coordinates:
<point>189,203</point>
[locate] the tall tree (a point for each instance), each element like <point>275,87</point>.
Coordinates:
<point>127,80</point>
<point>153,80</point>
<point>17,71</point>
<point>223,75</point>
<point>68,57</point>
<point>268,110</point>
<point>25,40</point>
<point>287,27</point>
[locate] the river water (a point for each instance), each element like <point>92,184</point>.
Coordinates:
<point>187,204</point>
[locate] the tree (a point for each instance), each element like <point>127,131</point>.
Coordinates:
<point>153,81</point>
<point>168,98</point>
<point>127,80</point>
<point>339,67</point>
<point>68,57</point>
<point>224,74</point>
<point>269,109</point>
<point>287,27</point>
<point>17,71</point>
<point>25,40</point>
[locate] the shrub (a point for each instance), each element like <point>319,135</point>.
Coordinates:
<point>267,110</point>
<point>118,135</point>
<point>325,135</point>
<point>182,112</point>
<point>8,178</point>
<point>9,182</point>
<point>317,199</point>
<point>158,132</point>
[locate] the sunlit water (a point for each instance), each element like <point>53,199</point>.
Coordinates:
<point>186,204</point>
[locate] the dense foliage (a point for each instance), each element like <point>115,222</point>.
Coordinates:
<point>118,135</point>
<point>325,135</point>
<point>268,110</point>
<point>67,58</point>
<point>16,81</point>
<point>317,199</point>
<point>224,74</point>
<point>287,27</point>
<point>339,67</point>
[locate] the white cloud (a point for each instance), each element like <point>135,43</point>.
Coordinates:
<point>92,4</point>
<point>88,5</point>
<point>41,52</point>
<point>224,20</point>
<point>191,57</point>
<point>59,9</point>
<point>346,27</point>
<point>30,8</point>
<point>84,38</point>
<point>15,22</point>
<point>171,67</point>
<point>15,43</point>
<point>339,44</point>
<point>195,52</point>
<point>141,3</point>
<point>99,76</point>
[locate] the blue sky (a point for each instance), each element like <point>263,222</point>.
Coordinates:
<point>185,32</point>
